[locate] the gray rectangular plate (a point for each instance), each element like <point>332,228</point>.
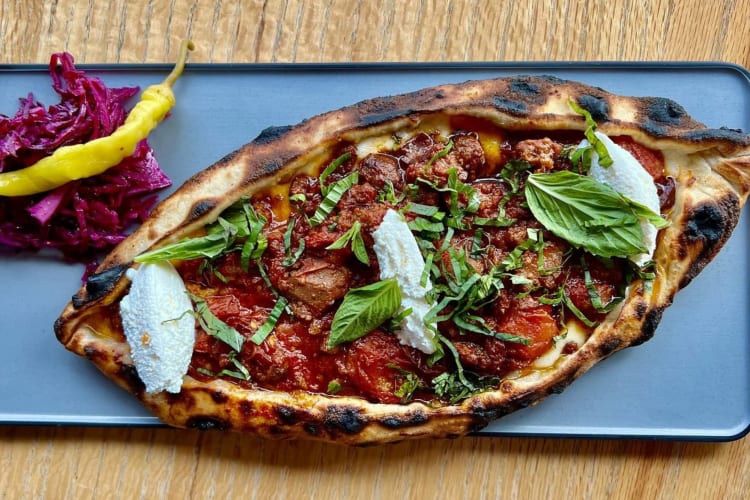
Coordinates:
<point>690,382</point>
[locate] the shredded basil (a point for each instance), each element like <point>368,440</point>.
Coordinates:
<point>601,150</point>
<point>324,189</point>
<point>334,386</point>
<point>352,237</point>
<point>214,326</point>
<point>273,317</point>
<point>333,194</point>
<point>289,257</point>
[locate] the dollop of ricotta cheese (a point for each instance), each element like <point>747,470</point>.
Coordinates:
<point>158,326</point>
<point>399,257</point>
<point>628,177</point>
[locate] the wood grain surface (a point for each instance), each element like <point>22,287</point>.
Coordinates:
<point>69,462</point>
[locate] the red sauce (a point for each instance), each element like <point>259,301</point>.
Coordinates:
<point>295,356</point>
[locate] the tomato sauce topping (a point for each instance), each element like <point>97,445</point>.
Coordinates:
<point>548,284</point>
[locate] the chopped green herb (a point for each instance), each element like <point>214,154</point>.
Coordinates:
<point>334,193</point>
<point>267,327</point>
<point>334,386</point>
<point>215,327</point>
<point>441,153</point>
<point>352,237</point>
<point>324,189</point>
<point>604,159</point>
<point>410,383</point>
<point>289,257</point>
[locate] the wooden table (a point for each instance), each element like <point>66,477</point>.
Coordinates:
<point>65,462</point>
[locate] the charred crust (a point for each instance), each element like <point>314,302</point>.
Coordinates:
<point>640,309</point>
<point>665,111</point>
<point>271,134</point>
<point>219,397</point>
<point>524,88</point>
<point>648,327</point>
<point>511,106</point>
<point>719,134</point>
<point>708,225</point>
<point>98,285</point>
<point>379,117</point>
<point>347,419</point>
<point>608,346</point>
<point>246,408</point>
<point>397,422</point>
<point>311,429</point>
<point>205,423</point>
<point>596,106</point>
<point>129,375</point>
<point>287,415</point>
<point>201,208</point>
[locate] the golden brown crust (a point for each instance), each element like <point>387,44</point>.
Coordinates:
<point>711,166</point>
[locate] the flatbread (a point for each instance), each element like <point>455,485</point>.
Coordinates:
<point>711,168</point>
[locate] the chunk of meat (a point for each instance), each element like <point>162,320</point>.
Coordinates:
<point>315,281</point>
<point>540,153</point>
<point>604,280</point>
<point>379,169</point>
<point>490,193</point>
<point>468,153</point>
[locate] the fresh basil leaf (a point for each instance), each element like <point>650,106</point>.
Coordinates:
<point>215,327</point>
<point>410,383</point>
<point>364,309</point>
<point>586,213</point>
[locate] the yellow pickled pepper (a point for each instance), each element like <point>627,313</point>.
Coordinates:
<point>69,163</point>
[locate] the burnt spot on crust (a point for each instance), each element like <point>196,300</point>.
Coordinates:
<point>409,420</point>
<point>201,208</point>
<point>98,285</point>
<point>205,423</point>
<point>596,106</point>
<point>640,309</point>
<point>708,225</point>
<point>510,106</point>
<point>271,134</point>
<point>524,88</point>
<point>662,114</point>
<point>719,134</point>
<point>608,346</point>
<point>129,375</point>
<point>311,429</point>
<point>287,415</point>
<point>648,328</point>
<point>662,110</point>
<point>379,117</point>
<point>219,397</point>
<point>346,419</point>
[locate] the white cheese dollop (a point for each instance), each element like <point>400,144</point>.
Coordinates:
<point>628,177</point>
<point>157,326</point>
<point>399,257</point>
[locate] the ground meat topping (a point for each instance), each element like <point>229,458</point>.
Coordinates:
<point>471,221</point>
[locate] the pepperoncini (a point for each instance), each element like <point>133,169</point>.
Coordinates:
<point>69,163</point>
